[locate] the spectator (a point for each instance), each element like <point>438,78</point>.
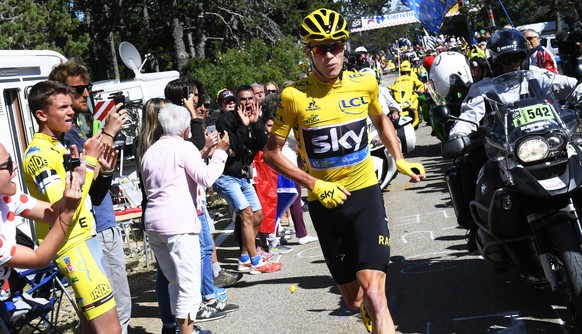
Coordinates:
<point>223,278</point>
<point>539,56</point>
<point>44,174</point>
<point>171,221</point>
<point>174,91</point>
<point>77,77</point>
<point>259,92</point>
<point>226,103</point>
<point>266,186</point>
<point>59,215</point>
<point>271,87</point>
<point>211,307</point>
<point>247,137</point>
<point>150,132</point>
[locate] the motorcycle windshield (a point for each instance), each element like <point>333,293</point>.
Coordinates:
<point>523,105</point>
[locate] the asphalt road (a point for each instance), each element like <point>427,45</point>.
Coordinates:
<point>434,285</point>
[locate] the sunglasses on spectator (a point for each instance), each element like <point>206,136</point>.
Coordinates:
<point>509,60</point>
<point>80,89</point>
<point>529,38</point>
<point>322,50</point>
<point>7,165</point>
<point>271,91</point>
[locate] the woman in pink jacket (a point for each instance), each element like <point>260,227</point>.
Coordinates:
<point>171,169</point>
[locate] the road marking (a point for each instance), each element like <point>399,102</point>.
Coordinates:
<point>416,218</point>
<point>403,238</point>
<point>303,256</point>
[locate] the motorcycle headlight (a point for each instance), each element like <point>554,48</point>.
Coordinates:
<point>533,149</point>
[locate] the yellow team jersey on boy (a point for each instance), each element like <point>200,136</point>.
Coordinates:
<point>44,174</point>
<point>329,122</point>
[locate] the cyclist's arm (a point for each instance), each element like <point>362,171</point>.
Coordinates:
<point>387,134</point>
<point>273,156</point>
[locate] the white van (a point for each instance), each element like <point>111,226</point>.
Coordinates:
<point>22,69</point>
<point>551,44</point>
<point>19,71</point>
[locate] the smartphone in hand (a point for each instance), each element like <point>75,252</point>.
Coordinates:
<point>210,129</point>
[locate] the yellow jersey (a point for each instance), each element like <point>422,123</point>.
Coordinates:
<point>44,174</point>
<point>329,122</point>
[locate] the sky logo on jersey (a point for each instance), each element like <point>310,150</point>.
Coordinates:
<point>336,146</point>
<point>354,106</point>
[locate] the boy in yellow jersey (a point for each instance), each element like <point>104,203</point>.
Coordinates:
<point>44,174</point>
<point>327,112</point>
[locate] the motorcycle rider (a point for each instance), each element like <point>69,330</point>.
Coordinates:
<point>449,82</point>
<point>361,58</point>
<point>508,49</point>
<point>408,83</point>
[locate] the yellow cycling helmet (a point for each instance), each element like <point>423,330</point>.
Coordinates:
<point>405,66</point>
<point>322,25</point>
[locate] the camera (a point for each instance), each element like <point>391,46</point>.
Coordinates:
<point>70,163</point>
<point>118,98</point>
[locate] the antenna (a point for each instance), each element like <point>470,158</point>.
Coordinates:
<point>131,58</point>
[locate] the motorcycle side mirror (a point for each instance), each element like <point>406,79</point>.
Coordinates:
<point>441,114</point>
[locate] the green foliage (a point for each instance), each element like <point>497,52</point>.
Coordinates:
<point>29,25</point>
<point>256,61</point>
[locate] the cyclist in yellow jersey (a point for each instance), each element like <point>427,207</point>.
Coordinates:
<point>327,112</point>
<point>78,259</point>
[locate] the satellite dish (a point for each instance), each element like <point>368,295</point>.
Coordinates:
<point>130,57</point>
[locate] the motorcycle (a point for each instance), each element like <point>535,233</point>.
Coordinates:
<point>384,164</point>
<point>408,100</point>
<point>528,197</point>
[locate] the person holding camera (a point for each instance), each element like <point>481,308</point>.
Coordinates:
<point>78,79</point>
<point>79,259</point>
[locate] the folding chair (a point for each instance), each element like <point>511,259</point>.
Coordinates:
<point>34,302</point>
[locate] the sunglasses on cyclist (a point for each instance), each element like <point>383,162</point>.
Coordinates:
<point>7,165</point>
<point>80,89</point>
<point>322,50</point>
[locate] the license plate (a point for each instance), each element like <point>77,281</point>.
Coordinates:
<point>530,114</point>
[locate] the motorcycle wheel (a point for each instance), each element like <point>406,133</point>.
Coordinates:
<point>570,254</point>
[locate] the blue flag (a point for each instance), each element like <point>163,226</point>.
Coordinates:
<point>430,13</point>
<point>286,194</point>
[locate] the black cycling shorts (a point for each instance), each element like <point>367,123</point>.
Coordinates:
<point>353,236</point>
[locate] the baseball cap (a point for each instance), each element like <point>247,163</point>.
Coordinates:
<point>225,95</point>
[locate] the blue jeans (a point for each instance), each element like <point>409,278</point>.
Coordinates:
<point>206,249</point>
<point>163,295</point>
<point>239,193</point>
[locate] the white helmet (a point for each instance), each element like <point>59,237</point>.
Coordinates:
<point>367,70</point>
<point>361,49</point>
<point>449,69</point>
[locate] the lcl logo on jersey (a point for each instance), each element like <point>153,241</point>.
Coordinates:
<point>336,146</point>
<point>354,106</point>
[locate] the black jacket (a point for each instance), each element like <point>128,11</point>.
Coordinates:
<point>245,142</point>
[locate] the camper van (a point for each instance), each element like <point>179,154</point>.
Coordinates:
<point>22,69</point>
